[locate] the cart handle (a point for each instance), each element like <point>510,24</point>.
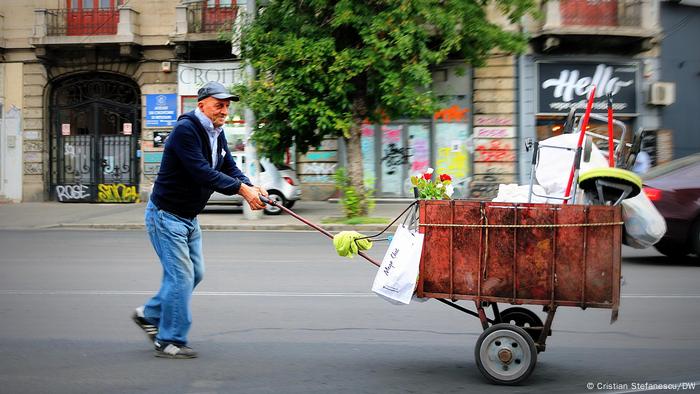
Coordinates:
<point>266,200</point>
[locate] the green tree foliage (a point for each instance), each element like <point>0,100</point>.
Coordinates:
<point>325,66</point>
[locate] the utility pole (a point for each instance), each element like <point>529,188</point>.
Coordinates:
<point>252,164</point>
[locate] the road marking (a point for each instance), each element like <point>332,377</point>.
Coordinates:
<point>273,294</point>
<point>675,296</point>
<point>196,293</point>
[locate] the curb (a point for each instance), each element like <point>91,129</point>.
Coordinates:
<point>228,227</point>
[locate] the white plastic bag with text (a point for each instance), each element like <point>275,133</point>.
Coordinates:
<point>396,279</point>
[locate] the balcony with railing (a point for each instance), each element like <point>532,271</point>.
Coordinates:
<point>615,22</point>
<point>204,20</point>
<point>85,27</point>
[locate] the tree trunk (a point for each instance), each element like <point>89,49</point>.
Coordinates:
<point>355,170</point>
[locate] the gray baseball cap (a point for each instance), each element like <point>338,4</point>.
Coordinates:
<point>216,90</point>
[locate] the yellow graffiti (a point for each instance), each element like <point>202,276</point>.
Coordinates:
<point>454,163</point>
<point>117,192</point>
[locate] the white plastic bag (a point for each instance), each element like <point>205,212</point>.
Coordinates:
<point>519,193</point>
<point>396,279</point>
<point>644,225</point>
<point>554,166</point>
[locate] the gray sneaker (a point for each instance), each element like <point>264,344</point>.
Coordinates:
<point>171,350</point>
<point>140,320</point>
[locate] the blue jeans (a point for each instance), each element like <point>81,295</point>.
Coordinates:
<point>178,243</point>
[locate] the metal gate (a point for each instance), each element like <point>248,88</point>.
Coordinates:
<point>94,154</point>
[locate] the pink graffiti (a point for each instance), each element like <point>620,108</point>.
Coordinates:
<point>391,135</point>
<point>492,133</point>
<point>419,166</point>
<point>367,131</point>
<point>492,121</point>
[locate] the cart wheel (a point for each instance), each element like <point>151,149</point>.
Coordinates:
<point>505,354</point>
<point>524,318</point>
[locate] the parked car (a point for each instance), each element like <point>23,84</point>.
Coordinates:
<point>280,181</point>
<point>674,188</point>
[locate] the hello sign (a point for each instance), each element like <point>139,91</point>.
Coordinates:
<point>566,85</point>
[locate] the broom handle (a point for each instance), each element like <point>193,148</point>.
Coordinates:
<point>577,157</point>
<point>611,142</point>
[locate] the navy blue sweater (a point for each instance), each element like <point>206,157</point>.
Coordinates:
<point>186,178</point>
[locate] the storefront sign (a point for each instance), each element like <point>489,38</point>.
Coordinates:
<point>191,76</point>
<point>161,110</point>
<point>563,86</point>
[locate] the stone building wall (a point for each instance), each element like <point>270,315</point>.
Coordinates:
<point>495,126</point>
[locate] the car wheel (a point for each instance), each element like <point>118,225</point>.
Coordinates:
<point>671,249</point>
<point>279,200</point>
<point>289,204</point>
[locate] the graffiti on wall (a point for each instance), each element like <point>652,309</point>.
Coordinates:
<point>318,165</point>
<point>495,154</point>
<point>495,144</point>
<point>452,114</point>
<point>117,192</point>
<point>72,193</point>
<point>493,120</point>
<point>367,146</point>
<point>394,157</point>
<point>419,143</point>
<point>494,132</point>
<point>316,172</point>
<point>483,190</point>
<point>451,147</point>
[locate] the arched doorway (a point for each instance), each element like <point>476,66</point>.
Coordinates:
<point>95,127</point>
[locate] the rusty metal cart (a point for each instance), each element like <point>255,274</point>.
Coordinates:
<point>518,254</point>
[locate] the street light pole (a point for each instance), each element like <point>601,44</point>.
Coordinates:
<point>252,164</point>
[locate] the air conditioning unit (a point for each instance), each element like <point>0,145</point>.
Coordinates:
<point>662,93</point>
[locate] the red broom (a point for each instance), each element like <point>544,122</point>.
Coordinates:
<point>577,156</point>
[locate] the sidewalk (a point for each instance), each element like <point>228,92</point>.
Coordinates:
<point>53,215</point>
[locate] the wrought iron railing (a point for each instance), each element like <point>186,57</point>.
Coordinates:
<point>622,13</point>
<point>204,18</point>
<point>81,22</point>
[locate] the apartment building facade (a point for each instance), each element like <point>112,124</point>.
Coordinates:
<point>612,44</point>
<point>89,89</point>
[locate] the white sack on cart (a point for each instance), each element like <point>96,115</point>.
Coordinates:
<point>644,225</point>
<point>396,279</point>
<point>519,193</point>
<point>554,165</point>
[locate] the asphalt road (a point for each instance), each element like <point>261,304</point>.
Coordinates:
<point>280,313</point>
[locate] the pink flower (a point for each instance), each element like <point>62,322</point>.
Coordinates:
<point>445,177</point>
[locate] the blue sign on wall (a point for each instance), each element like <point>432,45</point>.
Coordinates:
<point>161,110</point>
